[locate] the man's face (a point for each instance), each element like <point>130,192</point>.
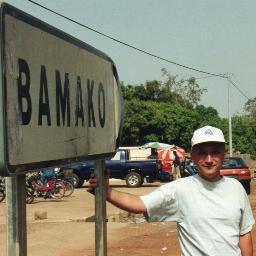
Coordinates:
<point>209,157</point>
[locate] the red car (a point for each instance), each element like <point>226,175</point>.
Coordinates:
<point>235,167</point>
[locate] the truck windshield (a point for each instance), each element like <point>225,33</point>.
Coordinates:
<point>117,156</point>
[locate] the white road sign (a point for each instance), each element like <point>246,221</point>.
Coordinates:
<point>61,100</point>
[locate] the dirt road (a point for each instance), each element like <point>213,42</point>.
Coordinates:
<point>66,228</point>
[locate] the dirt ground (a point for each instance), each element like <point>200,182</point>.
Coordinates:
<point>66,227</point>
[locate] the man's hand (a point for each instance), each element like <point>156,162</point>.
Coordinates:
<point>93,182</point>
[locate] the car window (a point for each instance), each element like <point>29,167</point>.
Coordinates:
<point>117,156</point>
<point>233,163</point>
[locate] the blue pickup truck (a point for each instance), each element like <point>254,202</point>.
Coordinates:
<point>134,172</point>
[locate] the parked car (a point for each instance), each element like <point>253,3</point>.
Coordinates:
<point>134,172</point>
<point>235,167</point>
<point>187,169</point>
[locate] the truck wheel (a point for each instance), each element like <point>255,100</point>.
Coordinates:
<point>133,180</point>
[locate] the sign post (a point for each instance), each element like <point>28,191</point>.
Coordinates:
<point>100,210</point>
<point>16,215</point>
<point>60,102</point>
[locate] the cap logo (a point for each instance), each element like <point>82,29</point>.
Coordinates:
<point>208,132</point>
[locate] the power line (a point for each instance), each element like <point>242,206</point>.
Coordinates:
<point>205,77</point>
<point>236,86</point>
<point>126,44</point>
<point>198,78</point>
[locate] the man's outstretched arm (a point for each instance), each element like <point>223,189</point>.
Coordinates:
<point>122,200</point>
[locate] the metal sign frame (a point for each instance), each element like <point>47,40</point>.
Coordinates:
<point>6,165</point>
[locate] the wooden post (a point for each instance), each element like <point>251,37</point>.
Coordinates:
<point>100,210</point>
<point>16,215</point>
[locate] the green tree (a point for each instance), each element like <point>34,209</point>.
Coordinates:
<point>243,133</point>
<point>250,108</point>
<point>152,121</point>
<point>153,89</point>
<point>210,116</point>
<point>188,90</point>
<point>184,92</point>
<point>169,112</point>
<point>127,91</point>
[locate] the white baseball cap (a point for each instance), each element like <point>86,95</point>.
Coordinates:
<point>207,134</point>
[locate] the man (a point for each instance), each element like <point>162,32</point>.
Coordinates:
<point>176,166</point>
<point>212,212</point>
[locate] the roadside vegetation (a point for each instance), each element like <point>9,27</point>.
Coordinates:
<point>170,110</point>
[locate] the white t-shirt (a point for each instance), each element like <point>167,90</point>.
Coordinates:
<point>210,216</point>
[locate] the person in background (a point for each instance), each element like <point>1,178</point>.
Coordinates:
<point>153,154</point>
<point>212,212</point>
<point>176,166</point>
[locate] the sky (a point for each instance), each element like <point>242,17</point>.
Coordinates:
<point>214,36</point>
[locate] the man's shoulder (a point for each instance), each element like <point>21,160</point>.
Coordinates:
<point>182,182</point>
<point>231,182</point>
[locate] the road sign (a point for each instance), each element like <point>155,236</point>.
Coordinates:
<point>61,99</point>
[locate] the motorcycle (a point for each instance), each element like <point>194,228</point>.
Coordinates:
<point>51,189</point>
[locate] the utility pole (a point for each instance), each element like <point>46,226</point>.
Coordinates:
<point>229,121</point>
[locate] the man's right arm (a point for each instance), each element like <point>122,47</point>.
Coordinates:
<point>122,200</point>
<point>126,201</point>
